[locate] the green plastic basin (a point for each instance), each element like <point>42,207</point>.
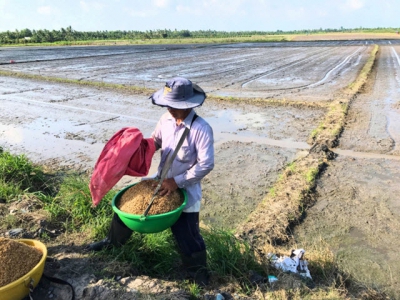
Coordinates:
<point>148,224</point>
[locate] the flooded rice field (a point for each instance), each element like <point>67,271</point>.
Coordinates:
<point>307,73</point>
<point>358,204</point>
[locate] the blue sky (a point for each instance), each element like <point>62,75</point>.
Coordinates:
<point>226,15</point>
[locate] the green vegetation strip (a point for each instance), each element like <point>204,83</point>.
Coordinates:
<point>332,126</point>
<point>285,202</point>
<point>69,36</point>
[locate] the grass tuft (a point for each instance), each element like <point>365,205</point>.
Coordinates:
<point>18,175</point>
<point>72,206</point>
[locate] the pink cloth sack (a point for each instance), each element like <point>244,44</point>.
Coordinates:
<point>126,153</point>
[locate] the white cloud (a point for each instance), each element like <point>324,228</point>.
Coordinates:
<point>6,15</point>
<point>354,4</point>
<point>296,14</point>
<point>91,5</point>
<point>322,13</point>
<point>222,8</point>
<point>161,3</point>
<point>45,10</point>
<point>141,13</point>
<point>182,8</point>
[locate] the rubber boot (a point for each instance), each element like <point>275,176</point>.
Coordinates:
<point>117,236</point>
<point>196,267</point>
<point>100,245</point>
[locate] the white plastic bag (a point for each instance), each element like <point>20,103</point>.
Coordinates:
<point>294,264</point>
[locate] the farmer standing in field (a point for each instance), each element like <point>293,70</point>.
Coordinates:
<point>194,160</point>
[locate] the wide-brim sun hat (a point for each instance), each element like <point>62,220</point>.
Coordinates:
<point>179,93</point>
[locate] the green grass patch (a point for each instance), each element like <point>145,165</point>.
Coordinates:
<point>72,206</point>
<point>19,175</point>
<point>311,175</point>
<point>153,254</point>
<point>230,257</point>
<point>66,197</point>
<point>272,191</point>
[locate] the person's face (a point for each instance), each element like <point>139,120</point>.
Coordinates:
<point>179,114</point>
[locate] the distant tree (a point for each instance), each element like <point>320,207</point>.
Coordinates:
<point>185,33</point>
<point>26,32</point>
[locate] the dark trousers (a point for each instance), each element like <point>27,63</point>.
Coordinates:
<point>186,232</point>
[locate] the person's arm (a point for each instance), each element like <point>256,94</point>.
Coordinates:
<point>156,135</point>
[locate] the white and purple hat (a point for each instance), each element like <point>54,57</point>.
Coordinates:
<point>179,93</point>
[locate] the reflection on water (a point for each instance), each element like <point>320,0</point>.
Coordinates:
<point>12,135</point>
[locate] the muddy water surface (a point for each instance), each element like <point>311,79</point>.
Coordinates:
<point>249,70</point>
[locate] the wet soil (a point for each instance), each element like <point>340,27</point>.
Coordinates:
<point>346,36</point>
<point>358,204</point>
<point>373,123</point>
<point>357,213</point>
<point>242,177</point>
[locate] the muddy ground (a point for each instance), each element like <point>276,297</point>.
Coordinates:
<point>373,124</point>
<point>357,195</point>
<point>358,205</point>
<point>357,214</point>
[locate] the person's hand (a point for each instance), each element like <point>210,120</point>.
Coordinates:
<point>167,187</point>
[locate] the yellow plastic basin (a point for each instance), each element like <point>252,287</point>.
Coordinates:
<point>19,288</point>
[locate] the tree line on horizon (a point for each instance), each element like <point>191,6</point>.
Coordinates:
<point>26,36</point>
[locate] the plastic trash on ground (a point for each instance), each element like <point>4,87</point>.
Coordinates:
<point>294,264</point>
<point>272,278</point>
